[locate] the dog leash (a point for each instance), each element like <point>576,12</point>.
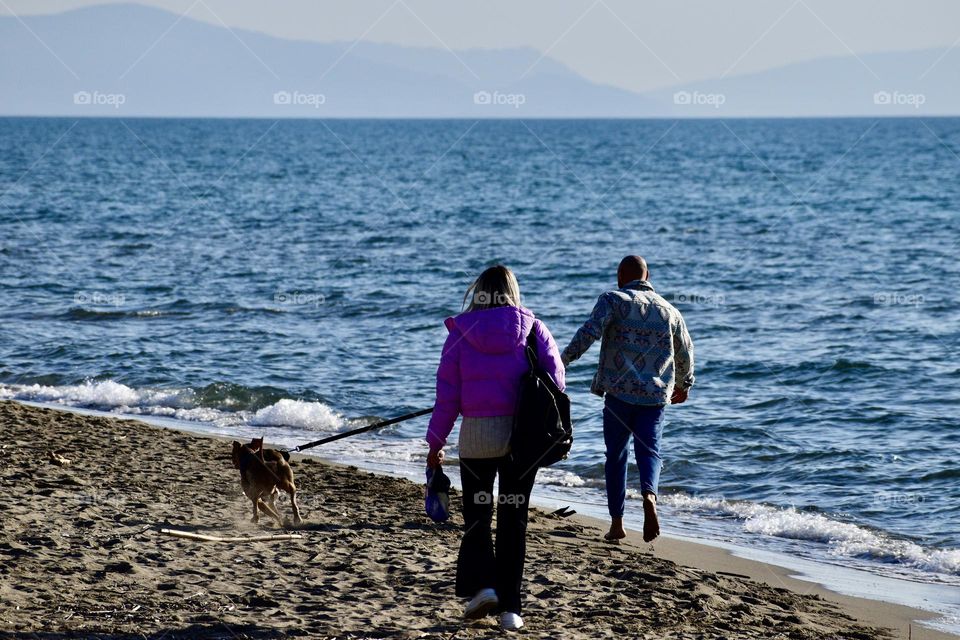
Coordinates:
<point>369,427</point>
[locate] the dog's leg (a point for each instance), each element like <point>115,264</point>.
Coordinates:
<point>256,511</point>
<point>290,488</point>
<point>293,503</point>
<point>272,512</point>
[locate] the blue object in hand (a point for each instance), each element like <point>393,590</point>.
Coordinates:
<point>437,501</point>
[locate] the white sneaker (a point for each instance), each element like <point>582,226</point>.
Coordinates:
<point>511,621</point>
<point>484,602</point>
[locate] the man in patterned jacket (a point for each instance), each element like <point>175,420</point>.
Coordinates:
<point>646,363</point>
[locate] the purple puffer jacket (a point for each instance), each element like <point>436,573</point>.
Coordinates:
<point>482,363</point>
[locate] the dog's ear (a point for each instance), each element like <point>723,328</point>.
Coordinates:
<point>286,455</point>
<point>236,445</point>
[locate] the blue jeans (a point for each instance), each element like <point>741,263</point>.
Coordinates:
<point>645,422</point>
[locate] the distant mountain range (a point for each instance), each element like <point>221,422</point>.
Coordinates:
<point>131,60</point>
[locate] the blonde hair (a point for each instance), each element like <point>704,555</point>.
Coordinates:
<point>495,287</point>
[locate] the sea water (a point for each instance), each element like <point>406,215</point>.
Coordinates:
<point>290,279</point>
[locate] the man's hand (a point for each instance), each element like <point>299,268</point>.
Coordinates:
<point>679,395</point>
<point>435,458</point>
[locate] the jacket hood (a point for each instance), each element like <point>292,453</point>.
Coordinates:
<point>497,330</point>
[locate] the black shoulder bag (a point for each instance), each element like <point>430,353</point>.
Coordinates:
<point>542,431</point>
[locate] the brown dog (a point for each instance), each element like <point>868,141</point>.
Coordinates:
<point>263,472</point>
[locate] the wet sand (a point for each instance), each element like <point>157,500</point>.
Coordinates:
<point>82,555</point>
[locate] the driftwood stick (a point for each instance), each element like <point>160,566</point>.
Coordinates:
<point>205,538</point>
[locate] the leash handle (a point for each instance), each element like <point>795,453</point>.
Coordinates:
<point>369,427</point>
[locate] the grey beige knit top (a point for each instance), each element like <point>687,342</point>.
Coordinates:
<point>487,437</point>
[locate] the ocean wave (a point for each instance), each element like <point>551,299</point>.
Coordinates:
<point>843,539</point>
<point>112,307</point>
<point>80,313</point>
<point>104,394</point>
<point>844,364</point>
<point>942,474</point>
<point>563,478</point>
<point>229,396</point>
<point>216,404</point>
<point>298,413</point>
<point>802,373</point>
<point>196,414</point>
<point>767,404</point>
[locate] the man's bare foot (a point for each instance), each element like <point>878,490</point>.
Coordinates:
<point>651,524</point>
<point>616,531</point>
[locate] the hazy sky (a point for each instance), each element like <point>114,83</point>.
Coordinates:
<point>633,44</point>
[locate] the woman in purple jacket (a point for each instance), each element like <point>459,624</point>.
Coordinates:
<point>479,377</point>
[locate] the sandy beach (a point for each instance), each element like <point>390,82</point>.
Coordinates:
<point>83,556</point>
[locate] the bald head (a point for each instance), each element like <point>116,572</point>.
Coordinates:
<point>632,268</point>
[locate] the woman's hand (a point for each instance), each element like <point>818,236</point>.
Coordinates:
<point>435,458</point>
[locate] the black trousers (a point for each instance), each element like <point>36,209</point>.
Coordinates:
<point>478,566</point>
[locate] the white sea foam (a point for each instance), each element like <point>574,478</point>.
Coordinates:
<point>842,538</point>
<point>561,478</point>
<point>195,414</point>
<point>102,394</point>
<point>402,452</point>
<point>297,413</point>
<point>174,403</point>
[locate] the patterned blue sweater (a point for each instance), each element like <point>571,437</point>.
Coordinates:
<point>645,349</point>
